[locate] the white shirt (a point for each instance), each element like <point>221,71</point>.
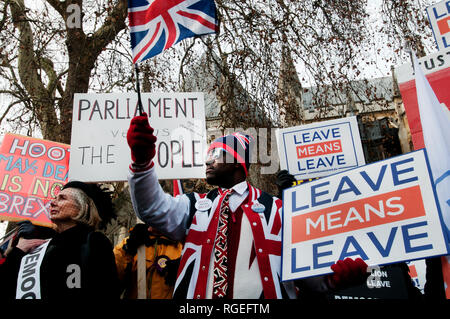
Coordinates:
<point>238,196</point>
<point>247,285</point>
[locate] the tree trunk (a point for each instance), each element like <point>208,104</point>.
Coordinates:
<point>83,52</point>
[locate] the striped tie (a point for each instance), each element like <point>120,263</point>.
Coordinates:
<point>220,250</point>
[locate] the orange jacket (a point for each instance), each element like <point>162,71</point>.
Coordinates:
<point>157,288</point>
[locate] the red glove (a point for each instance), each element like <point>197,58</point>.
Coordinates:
<point>141,140</point>
<point>348,272</point>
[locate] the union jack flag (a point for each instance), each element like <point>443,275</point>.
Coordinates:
<point>156,25</point>
<point>177,188</point>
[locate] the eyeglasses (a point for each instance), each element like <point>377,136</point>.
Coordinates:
<point>214,155</point>
<point>220,156</point>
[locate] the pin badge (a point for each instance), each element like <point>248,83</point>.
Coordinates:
<point>203,204</point>
<point>161,263</point>
<point>258,207</point>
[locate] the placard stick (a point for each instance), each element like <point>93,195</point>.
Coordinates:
<point>141,273</point>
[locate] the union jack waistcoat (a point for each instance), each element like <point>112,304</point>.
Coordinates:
<point>263,213</point>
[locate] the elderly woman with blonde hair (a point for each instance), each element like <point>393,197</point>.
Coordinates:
<point>77,262</point>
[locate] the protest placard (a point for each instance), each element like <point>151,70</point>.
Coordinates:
<point>32,171</point>
<point>384,282</point>
<point>99,149</point>
<point>439,17</point>
<point>384,212</point>
<point>320,149</point>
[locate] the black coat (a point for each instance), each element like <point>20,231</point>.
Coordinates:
<point>93,276</point>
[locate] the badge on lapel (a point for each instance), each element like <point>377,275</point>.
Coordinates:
<point>203,204</point>
<point>257,207</point>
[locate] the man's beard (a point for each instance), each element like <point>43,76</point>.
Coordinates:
<point>212,180</point>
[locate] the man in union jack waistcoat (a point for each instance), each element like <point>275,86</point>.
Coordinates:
<point>232,234</point>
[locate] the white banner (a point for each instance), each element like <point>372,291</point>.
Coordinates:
<point>435,120</point>
<point>384,212</point>
<point>29,277</point>
<point>99,149</point>
<point>320,149</point>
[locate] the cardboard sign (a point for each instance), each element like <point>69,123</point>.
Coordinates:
<point>320,149</point>
<point>32,172</point>
<point>437,70</point>
<point>439,17</point>
<point>384,212</point>
<point>99,149</point>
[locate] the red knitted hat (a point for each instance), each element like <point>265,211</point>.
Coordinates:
<point>237,145</point>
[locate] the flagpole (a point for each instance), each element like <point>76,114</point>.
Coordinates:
<point>408,49</point>
<point>138,89</point>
